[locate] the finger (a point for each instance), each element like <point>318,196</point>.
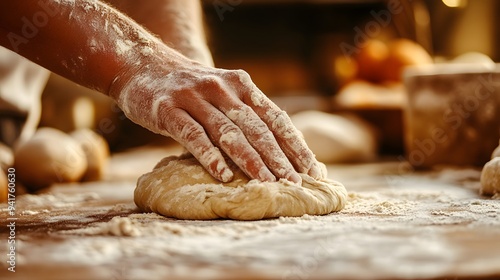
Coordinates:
<point>287,136</point>
<point>262,140</point>
<point>232,141</point>
<point>182,128</point>
<point>225,97</point>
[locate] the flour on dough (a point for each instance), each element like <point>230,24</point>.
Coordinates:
<point>179,187</point>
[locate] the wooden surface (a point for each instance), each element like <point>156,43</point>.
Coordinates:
<point>398,224</point>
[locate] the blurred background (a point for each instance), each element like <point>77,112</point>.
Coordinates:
<point>340,57</point>
<point>290,46</point>
<point>317,54</point>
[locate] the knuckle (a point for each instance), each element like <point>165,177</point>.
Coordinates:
<point>258,99</point>
<point>251,124</point>
<point>243,75</point>
<point>191,132</point>
<point>260,130</point>
<point>239,77</point>
<point>212,85</point>
<point>210,82</point>
<point>162,112</point>
<point>278,117</point>
<point>227,128</point>
<point>229,134</point>
<point>237,74</point>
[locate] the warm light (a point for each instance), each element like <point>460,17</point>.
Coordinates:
<point>455,3</point>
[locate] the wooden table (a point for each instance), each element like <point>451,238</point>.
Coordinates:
<point>398,224</point>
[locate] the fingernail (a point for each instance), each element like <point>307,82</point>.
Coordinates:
<point>226,175</point>
<point>316,172</point>
<point>266,176</point>
<point>294,177</point>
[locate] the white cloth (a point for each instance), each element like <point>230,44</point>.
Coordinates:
<point>21,85</point>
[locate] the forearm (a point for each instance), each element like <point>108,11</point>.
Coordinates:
<point>179,23</point>
<point>204,108</point>
<point>83,40</point>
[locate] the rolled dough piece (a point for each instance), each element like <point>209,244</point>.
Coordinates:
<point>96,151</point>
<point>496,152</point>
<point>179,187</point>
<point>335,138</point>
<point>490,177</point>
<point>50,156</point>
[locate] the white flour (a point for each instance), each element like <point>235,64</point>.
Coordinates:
<point>425,226</point>
<point>407,232</point>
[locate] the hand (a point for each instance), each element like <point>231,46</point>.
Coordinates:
<point>206,109</point>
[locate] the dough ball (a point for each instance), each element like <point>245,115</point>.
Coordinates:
<point>335,138</point>
<point>474,58</point>
<point>6,157</point>
<point>371,58</point>
<point>96,152</point>
<point>360,94</point>
<point>496,152</point>
<point>50,156</point>
<point>3,186</point>
<point>402,53</point>
<point>490,177</point>
<point>180,187</point>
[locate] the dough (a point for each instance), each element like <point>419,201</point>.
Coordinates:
<point>179,187</point>
<point>496,152</point>
<point>474,58</point>
<point>490,177</point>
<point>51,156</point>
<point>96,151</point>
<point>359,94</point>
<point>334,138</point>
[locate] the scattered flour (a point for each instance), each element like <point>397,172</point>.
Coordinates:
<point>416,230</point>
<point>123,207</point>
<point>51,201</point>
<point>398,236</point>
<point>30,212</point>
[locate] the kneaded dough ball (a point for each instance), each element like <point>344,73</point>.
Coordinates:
<point>496,152</point>
<point>474,58</point>
<point>49,157</point>
<point>490,177</point>
<point>96,151</point>
<point>179,187</point>
<point>402,53</point>
<point>3,186</point>
<point>335,138</point>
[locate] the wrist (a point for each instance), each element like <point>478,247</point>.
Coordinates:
<point>150,62</point>
<point>138,88</point>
